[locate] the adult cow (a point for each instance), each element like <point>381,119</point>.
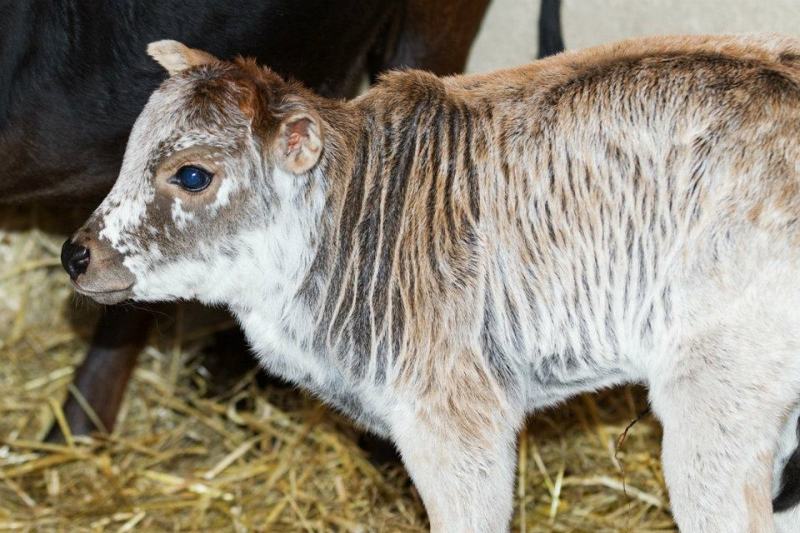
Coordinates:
<point>74,76</point>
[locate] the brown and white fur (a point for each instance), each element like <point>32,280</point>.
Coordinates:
<point>441,256</point>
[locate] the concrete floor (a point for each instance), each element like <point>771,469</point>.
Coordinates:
<point>509,35</point>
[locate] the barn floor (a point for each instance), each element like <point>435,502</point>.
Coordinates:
<point>193,452</point>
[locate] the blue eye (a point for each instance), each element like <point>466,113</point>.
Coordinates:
<point>192,179</point>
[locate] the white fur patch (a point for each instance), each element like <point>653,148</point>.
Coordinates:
<point>180,216</point>
<point>223,196</point>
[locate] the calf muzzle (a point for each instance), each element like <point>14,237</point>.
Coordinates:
<point>96,269</point>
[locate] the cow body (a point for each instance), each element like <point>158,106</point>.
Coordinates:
<point>442,256</point>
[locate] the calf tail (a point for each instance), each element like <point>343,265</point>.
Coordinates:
<point>789,495</point>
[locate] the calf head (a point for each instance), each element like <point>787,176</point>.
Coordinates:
<point>219,153</point>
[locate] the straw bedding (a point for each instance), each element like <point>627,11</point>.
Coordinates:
<point>194,451</point>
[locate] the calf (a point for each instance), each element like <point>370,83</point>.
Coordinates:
<point>442,256</point>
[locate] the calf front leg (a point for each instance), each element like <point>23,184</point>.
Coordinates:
<point>462,459</point>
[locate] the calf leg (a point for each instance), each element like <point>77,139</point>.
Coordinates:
<point>788,521</point>
<point>722,405</point>
<point>466,481</point>
<point>458,445</point>
<point>104,374</point>
<point>786,477</point>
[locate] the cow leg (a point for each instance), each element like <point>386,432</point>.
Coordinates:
<point>551,41</point>
<point>723,400</point>
<point>104,374</point>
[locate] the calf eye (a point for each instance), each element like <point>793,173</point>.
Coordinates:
<point>192,178</point>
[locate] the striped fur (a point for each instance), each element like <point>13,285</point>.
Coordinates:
<point>469,249</point>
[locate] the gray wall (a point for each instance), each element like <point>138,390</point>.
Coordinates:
<point>508,36</point>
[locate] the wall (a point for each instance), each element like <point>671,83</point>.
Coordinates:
<point>509,35</point>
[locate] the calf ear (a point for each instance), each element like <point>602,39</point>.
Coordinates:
<point>176,57</point>
<point>299,142</point>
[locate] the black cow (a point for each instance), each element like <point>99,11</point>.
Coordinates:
<point>74,76</point>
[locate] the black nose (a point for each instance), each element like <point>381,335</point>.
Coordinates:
<point>75,258</point>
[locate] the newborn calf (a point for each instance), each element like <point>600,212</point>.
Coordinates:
<point>441,256</point>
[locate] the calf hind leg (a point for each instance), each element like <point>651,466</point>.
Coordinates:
<point>786,477</point>
<point>722,404</point>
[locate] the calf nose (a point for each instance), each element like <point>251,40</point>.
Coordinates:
<point>74,258</point>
